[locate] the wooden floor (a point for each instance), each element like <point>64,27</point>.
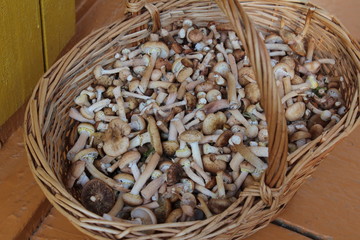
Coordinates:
<point>326,207</point>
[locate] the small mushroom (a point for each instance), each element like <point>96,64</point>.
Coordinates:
<point>125,179</point>
<point>130,159</point>
<point>146,216</point>
<point>85,130</point>
<point>76,170</point>
<point>295,112</point>
<point>211,164</point>
<point>213,122</point>
<point>193,137</point>
<point>97,196</point>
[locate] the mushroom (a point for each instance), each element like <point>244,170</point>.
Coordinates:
<point>246,76</point>
<point>193,137</point>
<point>217,205</point>
<point>252,110</point>
<point>76,170</point>
<point>251,130</point>
<point>295,112</point>
<point>152,136</point>
<point>137,123</point>
<point>158,179</point>
<point>213,122</point>
<point>76,115</point>
<point>125,179</point>
<point>174,216</point>
<point>88,112</point>
<point>89,155</point>
<point>231,91</point>
<point>133,198</point>
<point>146,216</point>
<point>114,142</point>
<point>203,207</point>
<point>186,166</point>
<point>211,164</point>
<point>97,196</point>
<point>164,209</point>
<point>155,50</point>
<point>85,130</point>
<point>325,114</point>
<point>187,204</point>
<point>130,159</point>
<point>246,168</point>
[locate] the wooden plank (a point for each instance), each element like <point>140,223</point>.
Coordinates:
<point>58,20</point>
<point>21,57</point>
<point>23,204</point>
<point>329,202</point>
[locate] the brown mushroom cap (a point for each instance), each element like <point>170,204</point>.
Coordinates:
<point>116,146</point>
<point>184,74</point>
<point>170,147</point>
<point>218,205</point>
<point>146,215</point>
<point>127,180</point>
<point>164,209</point>
<point>211,164</point>
<point>299,135</point>
<point>88,154</point>
<point>252,92</point>
<point>295,111</point>
<point>97,196</point>
<point>213,122</point>
<point>316,130</point>
<point>222,68</point>
<point>122,126</point>
<point>195,35</point>
<point>223,139</point>
<point>154,135</point>
<point>245,71</point>
<point>129,157</point>
<point>191,136</point>
<point>174,173</point>
<point>132,199</point>
<point>149,47</point>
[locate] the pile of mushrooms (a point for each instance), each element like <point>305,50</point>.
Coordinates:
<point>174,130</point>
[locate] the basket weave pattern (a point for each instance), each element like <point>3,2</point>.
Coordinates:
<point>48,131</point>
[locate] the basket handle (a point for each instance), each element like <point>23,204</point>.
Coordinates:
<point>260,59</point>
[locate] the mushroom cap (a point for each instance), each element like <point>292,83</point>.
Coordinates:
<point>290,61</point>
<point>222,68</point>
<point>160,47</point>
<point>174,174</point>
<point>218,205</point>
<point>97,196</point>
<point>165,165</point>
<point>170,147</point>
<point>299,135</point>
<point>188,203</point>
<point>86,113</point>
<point>87,155</point>
<point>213,122</point>
<point>98,71</point>
<point>146,215</point>
<point>295,112</point>
<point>129,157</point>
<point>223,139</point>
<point>132,199</point>
<point>294,42</point>
<point>124,127</point>
<point>154,135</point>
<point>164,209</point>
<point>177,65</point>
<point>184,74</point>
<point>316,131</point>
<point>212,165</point>
<point>116,146</point>
<point>126,180</point>
<point>86,128</point>
<point>195,35</point>
<point>252,92</point>
<point>245,71</point>
<point>82,100</point>
<point>282,70</point>
<point>191,136</point>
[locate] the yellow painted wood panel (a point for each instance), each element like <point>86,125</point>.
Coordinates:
<point>21,57</point>
<point>58,19</point>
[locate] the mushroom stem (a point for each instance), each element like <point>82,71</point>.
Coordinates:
<point>118,206</point>
<point>196,154</point>
<point>260,151</point>
<point>120,103</point>
<point>135,170</point>
<point>76,115</point>
<point>200,171</point>
<point>310,51</point>
<point>153,187</point>
<point>236,161</point>
<point>80,144</point>
<point>146,77</point>
<point>231,91</point>
<point>205,191</point>
<point>220,184</point>
<point>203,207</point>
<point>135,95</point>
<point>216,106</point>
<point>250,157</point>
<point>140,140</point>
<point>176,104</point>
<point>186,166</point>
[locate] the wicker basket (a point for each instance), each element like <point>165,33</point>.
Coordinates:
<point>48,130</point>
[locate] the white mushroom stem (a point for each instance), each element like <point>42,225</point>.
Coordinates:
<point>153,187</point>
<point>144,61</point>
<point>278,47</point>
<point>240,180</point>
<point>135,53</point>
<point>235,162</point>
<point>310,50</point>
<point>79,145</point>
<point>76,115</point>
<point>172,132</point>
<point>234,40</point>
<point>234,69</point>
<point>146,77</point>
<point>97,106</point>
<point>176,104</point>
<point>277,53</point>
<point>200,171</point>
<point>135,95</point>
<point>220,48</point>
<point>139,140</point>
<point>120,103</point>
<point>159,84</point>
<point>150,167</point>
<point>83,179</point>
<point>192,85</point>
<point>220,184</point>
<point>192,123</point>
<point>208,149</point>
<point>162,126</point>
<point>188,117</point>
<point>191,174</point>
<point>260,151</point>
<point>178,125</point>
<point>205,191</point>
<point>325,115</point>
<point>113,167</point>
<point>231,91</point>
<point>251,157</point>
<point>161,97</point>
<point>134,170</point>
